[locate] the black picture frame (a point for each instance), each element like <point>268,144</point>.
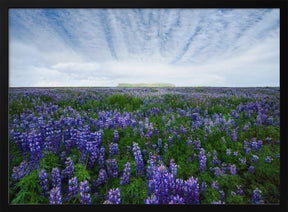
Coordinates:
<point>5,5</point>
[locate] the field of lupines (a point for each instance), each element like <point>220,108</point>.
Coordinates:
<point>144,146</point>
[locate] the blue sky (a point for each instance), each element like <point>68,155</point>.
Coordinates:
<point>104,47</point>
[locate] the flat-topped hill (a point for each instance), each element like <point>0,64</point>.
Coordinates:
<point>130,85</point>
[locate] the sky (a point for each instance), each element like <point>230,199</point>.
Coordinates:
<point>105,47</point>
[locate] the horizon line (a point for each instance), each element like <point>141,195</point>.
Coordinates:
<point>147,87</point>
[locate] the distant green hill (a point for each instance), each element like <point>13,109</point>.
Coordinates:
<point>141,85</point>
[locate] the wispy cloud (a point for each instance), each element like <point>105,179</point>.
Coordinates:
<point>104,47</point>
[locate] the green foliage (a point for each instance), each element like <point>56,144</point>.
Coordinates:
<point>46,99</point>
<point>199,90</point>
<point>210,195</point>
<point>49,162</point>
<point>130,103</point>
<point>28,189</point>
<point>15,108</point>
<point>234,199</point>
<point>136,191</point>
<point>81,172</point>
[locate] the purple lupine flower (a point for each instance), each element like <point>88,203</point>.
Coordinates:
<point>246,144</point>
<point>166,147</point>
<point>255,158</point>
<point>215,160</point>
<point>233,170</point>
<point>101,124</point>
<point>160,184</point>
<point>215,185</point>
<point>159,142</point>
<point>222,195</point>
<point>239,190</point>
<point>269,121</point>
<point>138,159</point>
<point>171,140</point>
<point>176,199</point>
<point>189,142</point>
<point>69,170</point>
<point>233,194</point>
<point>223,167</point>
<point>56,178</point>
<point>195,116</point>
<point>43,181</point>
<point>191,191</point>
<point>112,168</point>
<point>256,198</point>
<point>151,167</point>
<point>197,144</point>
<point>57,141</point>
<point>247,150</point>
<point>113,197</point>
<point>20,171</point>
<point>244,129</point>
<point>202,159</point>
<point>268,159</point>
<point>113,149</point>
<point>55,196</point>
<point>128,149</point>
<point>234,136</point>
<point>107,202</point>
<point>82,145</point>
<point>141,128</point>
<point>116,136</point>
<point>251,169</point>
<point>173,168</point>
<point>254,144</point>
<point>146,123</point>
<point>133,123</point>
<point>179,185</point>
<point>168,123</point>
<point>269,140</point>
<point>173,118</point>
<point>242,160</point>
<point>72,188</point>
<point>217,171</point>
<point>219,202</point>
<point>101,157</point>
<point>154,146</point>
<point>228,152</point>
<point>33,140</point>
<point>260,144</point>
<point>125,179</point>
<point>94,151</point>
<point>184,131</point>
<point>203,187</point>
<point>135,131</point>
<point>235,153</point>
<point>152,200</point>
<point>102,177</point>
<point>84,196</point>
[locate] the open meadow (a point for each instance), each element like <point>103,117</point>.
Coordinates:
<point>204,145</point>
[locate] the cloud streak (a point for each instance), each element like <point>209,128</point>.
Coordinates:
<point>104,47</point>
